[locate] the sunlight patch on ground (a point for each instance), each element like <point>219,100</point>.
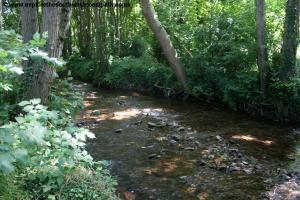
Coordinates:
<point>151,170</point>
<point>125,114</point>
<point>87,103</point>
<point>252,138</point>
<point>104,114</point>
<point>122,97</point>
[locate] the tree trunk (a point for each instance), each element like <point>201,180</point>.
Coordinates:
<point>29,18</point>
<point>56,22</point>
<point>164,40</point>
<point>290,36</point>
<point>262,53</point>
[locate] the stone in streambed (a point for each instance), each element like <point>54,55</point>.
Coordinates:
<point>181,128</point>
<point>201,162</point>
<point>189,148</point>
<point>154,156</point>
<point>118,130</point>
<point>156,125</point>
<point>175,137</point>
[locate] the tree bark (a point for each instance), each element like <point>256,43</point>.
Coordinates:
<point>262,53</point>
<point>29,19</point>
<point>56,22</point>
<point>290,40</point>
<point>164,40</point>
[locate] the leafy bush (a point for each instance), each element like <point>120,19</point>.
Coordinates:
<point>13,54</point>
<point>82,68</point>
<point>143,73</point>
<point>12,189</point>
<point>64,98</point>
<point>52,149</point>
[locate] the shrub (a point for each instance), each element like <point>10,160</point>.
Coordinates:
<point>143,73</point>
<point>49,149</point>
<point>64,98</point>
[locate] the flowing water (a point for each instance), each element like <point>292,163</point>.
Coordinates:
<point>170,149</point>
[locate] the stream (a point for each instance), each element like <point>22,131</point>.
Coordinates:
<point>169,149</point>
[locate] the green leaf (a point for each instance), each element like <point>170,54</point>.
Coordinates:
<point>46,188</point>
<point>28,108</point>
<point>6,136</point>
<point>35,101</point>
<point>51,197</point>
<point>3,54</point>
<point>3,68</point>
<point>36,36</point>
<point>17,70</point>
<point>21,155</point>
<point>24,103</point>
<point>20,120</point>
<point>6,161</point>
<point>4,147</point>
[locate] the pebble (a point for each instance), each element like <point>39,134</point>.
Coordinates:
<point>201,162</point>
<point>118,130</point>
<point>181,128</point>
<point>189,148</point>
<point>175,137</point>
<point>218,138</point>
<point>245,163</point>
<point>154,156</point>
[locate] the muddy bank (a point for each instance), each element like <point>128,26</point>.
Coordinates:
<point>169,149</point>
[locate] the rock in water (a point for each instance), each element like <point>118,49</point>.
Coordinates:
<point>175,137</point>
<point>151,124</point>
<point>118,130</point>
<point>181,128</point>
<point>153,156</point>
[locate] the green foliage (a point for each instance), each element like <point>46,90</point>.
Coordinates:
<point>11,189</point>
<point>143,73</point>
<point>13,54</point>
<point>52,149</point>
<point>138,47</point>
<point>88,184</point>
<point>64,98</point>
<point>81,68</point>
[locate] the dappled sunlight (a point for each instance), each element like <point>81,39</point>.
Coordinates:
<point>252,138</point>
<point>125,114</point>
<point>104,114</point>
<point>170,166</point>
<point>122,97</point>
<point>87,103</point>
<point>191,189</point>
<point>151,170</point>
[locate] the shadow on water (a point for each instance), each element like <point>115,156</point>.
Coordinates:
<point>169,149</point>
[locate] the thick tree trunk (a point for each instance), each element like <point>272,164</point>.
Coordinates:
<point>164,40</point>
<point>56,22</point>
<point>290,40</point>
<point>29,18</point>
<point>262,52</point>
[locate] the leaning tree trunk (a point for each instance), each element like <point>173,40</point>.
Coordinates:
<point>262,53</point>
<point>164,40</point>
<point>29,19</point>
<point>56,22</point>
<point>290,40</point>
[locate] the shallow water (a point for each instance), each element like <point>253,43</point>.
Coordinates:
<point>166,162</point>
